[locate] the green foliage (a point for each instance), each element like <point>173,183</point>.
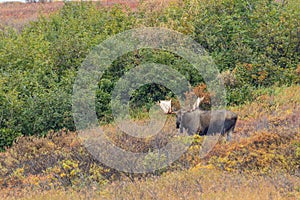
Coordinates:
<point>261,34</point>
<point>7,136</point>
<point>38,67</point>
<point>256,41</point>
<point>249,32</point>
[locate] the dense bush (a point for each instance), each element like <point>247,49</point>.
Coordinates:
<point>256,42</point>
<point>38,67</point>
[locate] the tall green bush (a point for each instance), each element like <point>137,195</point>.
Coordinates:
<point>38,66</point>
<point>257,41</point>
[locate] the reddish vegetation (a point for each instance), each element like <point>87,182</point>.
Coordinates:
<point>18,14</point>
<point>261,162</point>
<point>131,3</point>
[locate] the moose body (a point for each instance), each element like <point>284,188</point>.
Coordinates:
<point>206,122</point>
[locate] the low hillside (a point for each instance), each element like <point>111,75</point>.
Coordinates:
<point>255,45</point>
<point>18,14</point>
<point>262,161</point>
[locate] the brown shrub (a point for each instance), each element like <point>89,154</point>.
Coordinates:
<point>266,141</point>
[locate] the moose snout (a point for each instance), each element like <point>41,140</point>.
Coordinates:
<point>177,125</point>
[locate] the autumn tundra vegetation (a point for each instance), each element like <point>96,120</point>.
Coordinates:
<point>256,47</point>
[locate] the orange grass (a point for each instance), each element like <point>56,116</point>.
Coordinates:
<point>262,162</point>
<point>197,183</point>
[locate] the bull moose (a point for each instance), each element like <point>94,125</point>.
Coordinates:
<point>206,122</point>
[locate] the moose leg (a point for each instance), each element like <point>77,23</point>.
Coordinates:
<point>229,135</point>
<point>181,129</point>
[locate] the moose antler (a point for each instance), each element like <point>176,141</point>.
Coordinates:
<point>166,106</point>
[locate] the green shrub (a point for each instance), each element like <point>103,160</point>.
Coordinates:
<point>38,65</point>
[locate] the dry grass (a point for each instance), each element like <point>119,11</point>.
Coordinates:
<point>197,183</point>
<point>263,161</point>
